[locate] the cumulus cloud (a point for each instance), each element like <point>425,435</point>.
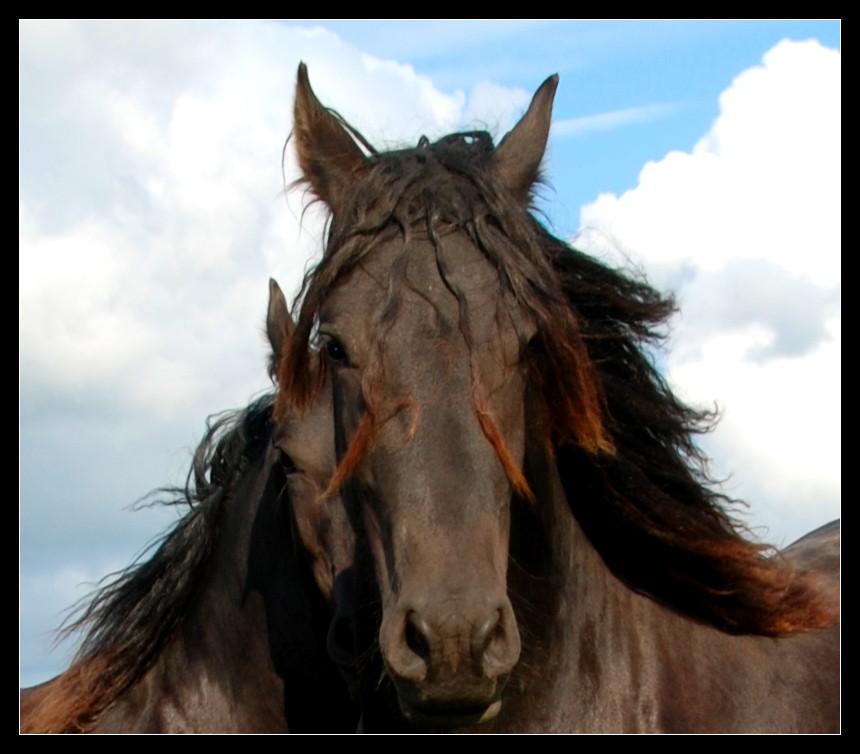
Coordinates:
<point>746,230</point>
<point>152,196</point>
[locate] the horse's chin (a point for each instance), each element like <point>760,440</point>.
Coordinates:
<point>447,715</point>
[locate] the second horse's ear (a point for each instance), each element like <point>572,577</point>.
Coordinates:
<point>518,156</point>
<point>279,325</point>
<point>328,156</point>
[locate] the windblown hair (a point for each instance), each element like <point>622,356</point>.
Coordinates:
<point>625,445</point>
<point>131,620</point>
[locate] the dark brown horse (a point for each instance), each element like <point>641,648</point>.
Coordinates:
<point>224,628</point>
<point>538,545</point>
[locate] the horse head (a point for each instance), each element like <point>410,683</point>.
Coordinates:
<point>432,319</point>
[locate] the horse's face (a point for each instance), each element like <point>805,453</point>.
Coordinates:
<point>424,338</point>
<point>306,441</point>
<point>433,490</point>
<point>320,517</point>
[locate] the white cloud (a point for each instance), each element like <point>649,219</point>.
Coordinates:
<point>138,252</point>
<point>746,230</point>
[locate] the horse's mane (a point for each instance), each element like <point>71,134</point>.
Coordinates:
<point>625,445</point>
<point>129,621</point>
<point>651,509</point>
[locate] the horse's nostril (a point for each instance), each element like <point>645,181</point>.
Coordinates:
<point>416,638</point>
<point>340,641</point>
<point>489,630</point>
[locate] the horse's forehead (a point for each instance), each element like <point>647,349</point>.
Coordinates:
<point>413,274</point>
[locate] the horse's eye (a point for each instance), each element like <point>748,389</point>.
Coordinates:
<point>530,348</point>
<point>287,463</point>
<point>335,351</point>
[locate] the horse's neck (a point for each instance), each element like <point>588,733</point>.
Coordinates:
<point>599,657</point>
<point>216,674</point>
<point>593,663</point>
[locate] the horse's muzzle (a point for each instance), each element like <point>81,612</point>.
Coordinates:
<point>450,659</point>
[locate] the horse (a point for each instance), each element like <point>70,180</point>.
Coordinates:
<point>538,545</point>
<point>231,625</point>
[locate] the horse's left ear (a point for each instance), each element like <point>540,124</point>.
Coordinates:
<point>328,155</point>
<point>279,324</point>
<point>518,157</point>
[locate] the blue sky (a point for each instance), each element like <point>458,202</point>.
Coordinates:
<point>152,213</point>
<point>676,68</point>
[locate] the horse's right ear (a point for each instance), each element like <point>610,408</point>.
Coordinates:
<point>328,155</point>
<point>279,324</point>
<point>519,154</point>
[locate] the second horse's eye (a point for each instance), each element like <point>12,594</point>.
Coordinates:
<point>335,351</point>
